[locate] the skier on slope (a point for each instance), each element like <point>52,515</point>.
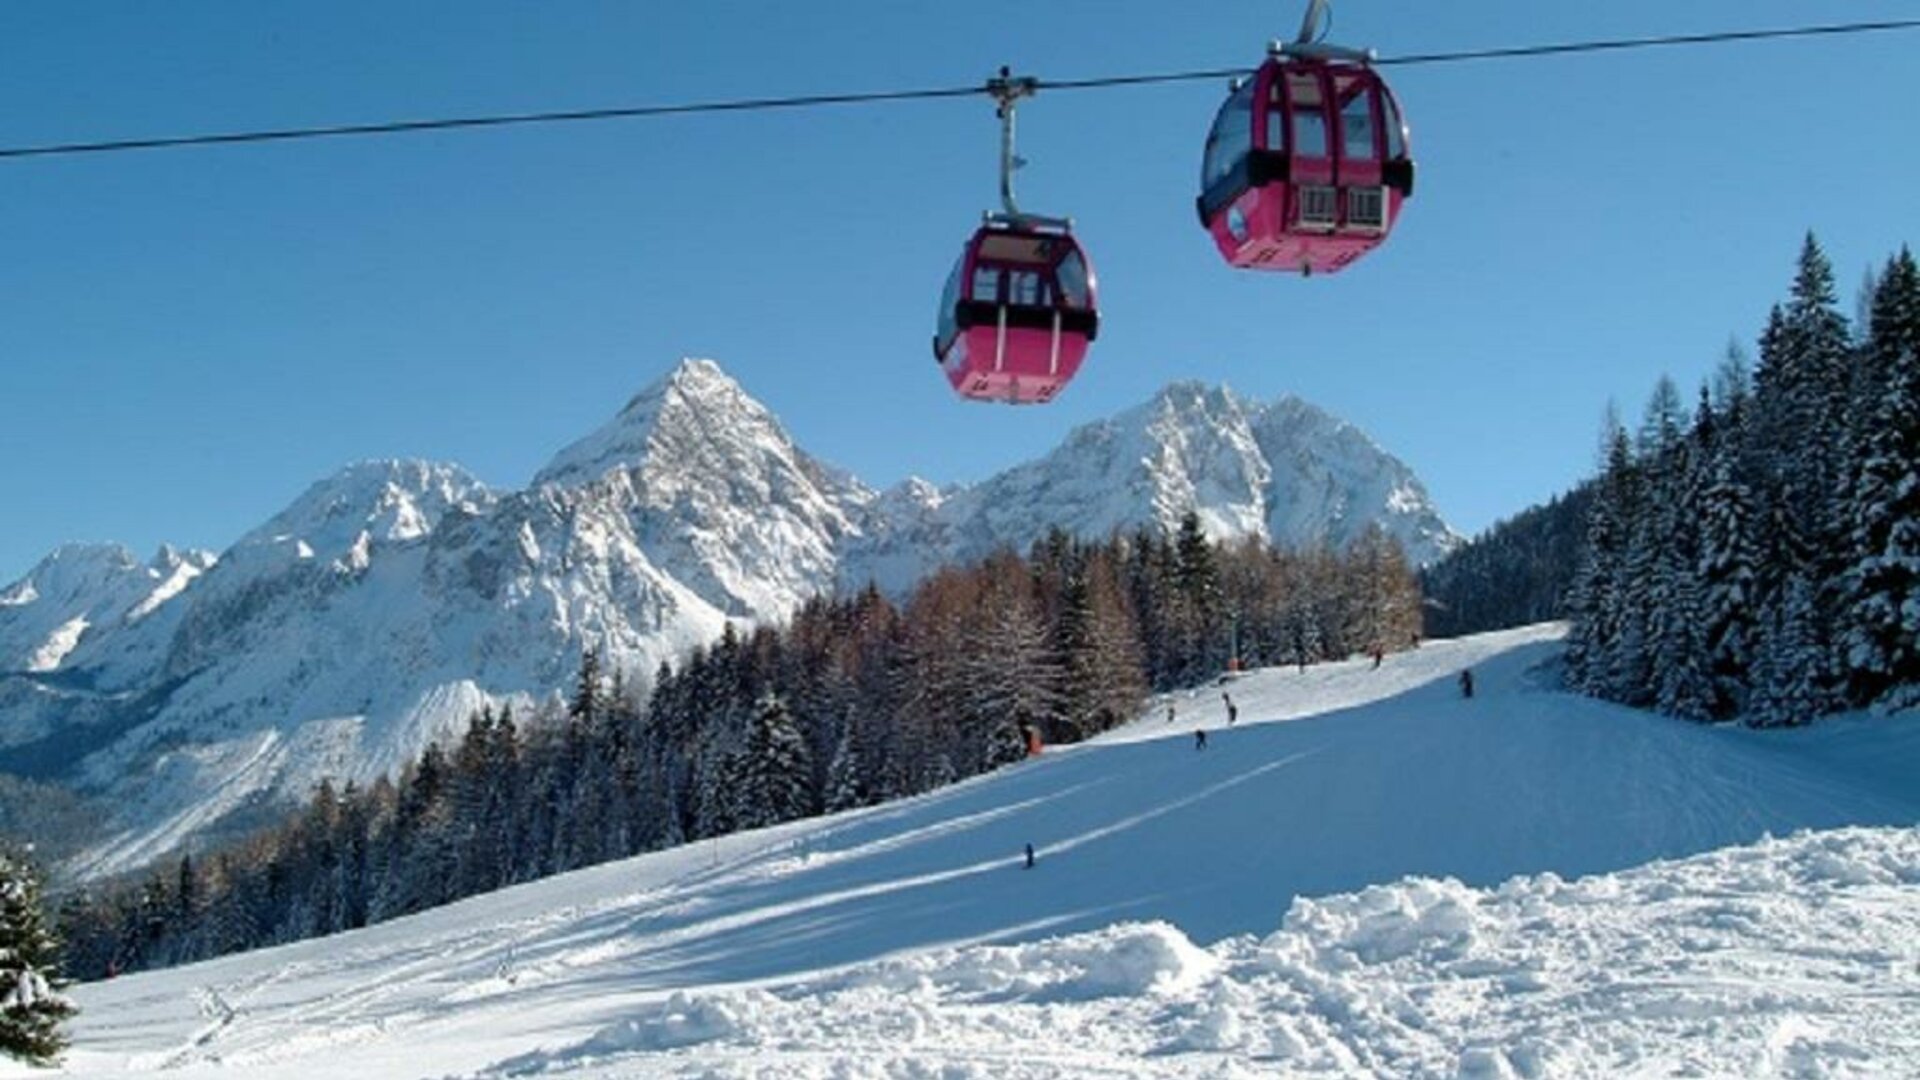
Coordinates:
<point>1233,711</point>
<point>1466,682</point>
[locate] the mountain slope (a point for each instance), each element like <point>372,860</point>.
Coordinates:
<point>733,955</point>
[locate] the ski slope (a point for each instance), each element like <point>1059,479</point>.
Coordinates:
<point>1159,933</point>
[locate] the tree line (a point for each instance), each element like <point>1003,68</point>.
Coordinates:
<point>1761,557</point>
<point>856,700</point>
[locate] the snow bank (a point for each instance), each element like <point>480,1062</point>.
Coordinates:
<point>1795,957</point>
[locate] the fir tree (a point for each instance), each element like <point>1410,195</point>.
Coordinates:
<point>1786,685</point>
<point>1880,592</point>
<point>31,1005</point>
<point>1728,586</point>
<point>775,773</point>
<point>846,776</point>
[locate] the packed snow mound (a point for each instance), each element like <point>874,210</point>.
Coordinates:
<point>1797,957</point>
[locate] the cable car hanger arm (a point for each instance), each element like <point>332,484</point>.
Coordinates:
<point>1007,89</point>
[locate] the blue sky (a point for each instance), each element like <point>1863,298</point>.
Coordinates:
<point>189,338</point>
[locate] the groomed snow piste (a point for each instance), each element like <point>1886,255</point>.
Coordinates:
<point>1242,910</point>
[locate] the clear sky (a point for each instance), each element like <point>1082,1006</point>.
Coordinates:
<point>189,338</point>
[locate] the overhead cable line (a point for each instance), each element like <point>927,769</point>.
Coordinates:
<point>767,104</point>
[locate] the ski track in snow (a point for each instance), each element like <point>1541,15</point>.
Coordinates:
<point>905,941</point>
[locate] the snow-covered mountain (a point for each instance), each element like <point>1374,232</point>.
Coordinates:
<point>389,601</point>
<point>1284,471</point>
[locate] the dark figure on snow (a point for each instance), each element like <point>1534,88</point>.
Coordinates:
<point>1199,738</point>
<point>1169,712</point>
<point>1233,711</point>
<point>1029,856</point>
<point>1379,654</point>
<point>1466,682</point>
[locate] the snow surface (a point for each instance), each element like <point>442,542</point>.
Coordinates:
<point>1242,910</point>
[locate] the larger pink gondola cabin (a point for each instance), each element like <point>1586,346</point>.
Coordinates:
<point>1021,305</point>
<point>1308,163</point>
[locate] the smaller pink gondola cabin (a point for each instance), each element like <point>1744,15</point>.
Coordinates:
<point>1018,313</point>
<point>1306,167</point>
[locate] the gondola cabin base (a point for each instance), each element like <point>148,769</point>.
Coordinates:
<point>1261,231</point>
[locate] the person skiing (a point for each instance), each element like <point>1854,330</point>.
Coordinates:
<point>1233,711</point>
<point>1169,712</point>
<point>1466,682</point>
<point>1029,856</point>
<point>1199,738</point>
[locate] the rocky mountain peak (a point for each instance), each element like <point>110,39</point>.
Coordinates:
<point>693,411</point>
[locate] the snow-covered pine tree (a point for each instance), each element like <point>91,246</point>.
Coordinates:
<point>1592,599</point>
<point>32,1007</point>
<point>1820,345</point>
<point>1682,664</point>
<point>717,789</point>
<point>1622,611</point>
<point>1728,584</point>
<point>1786,685</point>
<point>846,776</point>
<point>1880,588</point>
<point>1655,534</point>
<point>776,771</point>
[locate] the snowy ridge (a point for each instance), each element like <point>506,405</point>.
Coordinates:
<point>1525,884</point>
<point>1283,471</point>
<point>390,600</point>
<point>81,587</point>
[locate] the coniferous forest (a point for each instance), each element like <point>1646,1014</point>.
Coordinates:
<point>857,700</point>
<point>1759,555</point>
<point>1515,573</point>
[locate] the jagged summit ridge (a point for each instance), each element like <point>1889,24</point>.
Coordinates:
<point>390,600</point>
<point>81,591</point>
<point>387,501</point>
<point>1284,471</point>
